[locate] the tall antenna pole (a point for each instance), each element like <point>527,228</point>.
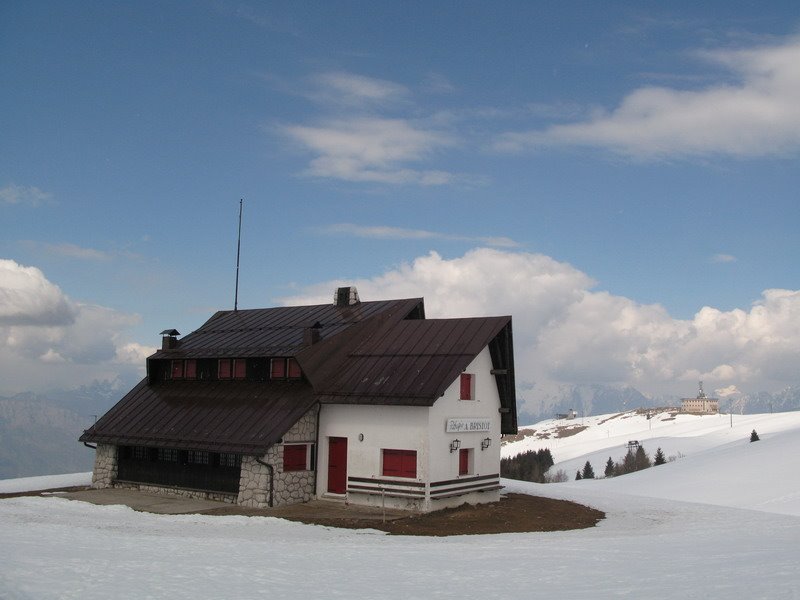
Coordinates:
<point>238,250</point>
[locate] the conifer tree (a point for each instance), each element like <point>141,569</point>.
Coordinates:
<point>588,471</point>
<point>609,472</point>
<point>628,463</point>
<point>659,458</point>
<point>754,436</point>
<point>578,475</point>
<point>641,460</point>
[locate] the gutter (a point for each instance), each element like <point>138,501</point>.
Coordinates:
<point>88,445</point>
<point>271,479</point>
<point>316,448</point>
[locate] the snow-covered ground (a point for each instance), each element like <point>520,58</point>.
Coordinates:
<point>647,547</point>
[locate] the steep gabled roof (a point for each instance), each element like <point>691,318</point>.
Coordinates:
<point>409,362</point>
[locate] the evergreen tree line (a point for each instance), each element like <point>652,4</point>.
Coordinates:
<point>528,466</point>
<point>632,461</point>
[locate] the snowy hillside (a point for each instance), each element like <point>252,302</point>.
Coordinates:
<point>712,461</point>
<point>647,547</point>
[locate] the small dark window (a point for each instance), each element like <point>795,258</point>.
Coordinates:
<point>190,369</point>
<point>229,459</point>
<point>140,453</point>
<point>277,368</point>
<point>225,370</point>
<point>177,369</point>
<point>295,457</point>
<point>168,455</point>
<point>197,457</point>
<point>293,368</point>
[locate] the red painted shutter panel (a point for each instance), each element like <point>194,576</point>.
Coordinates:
<point>466,386</point>
<point>463,462</point>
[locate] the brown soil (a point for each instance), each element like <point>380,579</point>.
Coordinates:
<point>515,513</point>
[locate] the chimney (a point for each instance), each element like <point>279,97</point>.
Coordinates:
<point>169,339</point>
<point>346,296</point>
<point>311,334</point>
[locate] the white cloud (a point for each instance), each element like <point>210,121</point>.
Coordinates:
<point>565,332</point>
<point>384,232</point>
<point>339,87</point>
<point>759,115</point>
<point>723,258</point>
<point>46,339</point>
<point>369,149</point>
<point>18,194</point>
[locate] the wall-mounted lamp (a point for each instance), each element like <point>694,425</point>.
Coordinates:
<point>455,445</point>
<point>485,443</point>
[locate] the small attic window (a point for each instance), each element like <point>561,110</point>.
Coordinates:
<point>277,369</point>
<point>293,369</point>
<point>467,386</point>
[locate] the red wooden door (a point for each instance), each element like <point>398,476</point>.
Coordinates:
<point>463,462</point>
<point>337,465</point>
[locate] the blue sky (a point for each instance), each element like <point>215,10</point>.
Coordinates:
<point>642,154</point>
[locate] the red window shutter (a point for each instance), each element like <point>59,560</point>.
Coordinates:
<point>463,462</point>
<point>190,371</point>
<point>400,463</point>
<point>293,368</point>
<point>224,368</point>
<point>466,386</point>
<point>294,457</point>
<point>278,368</point>
<point>177,369</point>
<point>240,368</point>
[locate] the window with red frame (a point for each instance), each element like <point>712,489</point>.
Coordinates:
<point>467,386</point>
<point>225,370</point>
<point>232,368</point>
<point>239,368</point>
<point>400,463</point>
<point>295,457</point>
<point>292,368</point>
<point>277,369</point>
<point>177,369</point>
<point>190,369</point>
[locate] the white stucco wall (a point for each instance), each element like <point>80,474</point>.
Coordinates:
<point>486,405</point>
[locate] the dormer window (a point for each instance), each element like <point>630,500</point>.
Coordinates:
<point>232,368</point>
<point>283,368</point>
<point>183,369</point>
<point>293,369</point>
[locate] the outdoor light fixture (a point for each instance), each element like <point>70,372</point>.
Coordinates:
<point>485,443</point>
<point>360,437</point>
<point>455,445</point>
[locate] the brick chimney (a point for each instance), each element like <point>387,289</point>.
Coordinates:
<point>169,339</point>
<point>311,335</point>
<point>346,296</point>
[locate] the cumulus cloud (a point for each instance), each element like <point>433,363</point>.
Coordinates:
<point>371,149</point>
<point>48,339</point>
<point>385,232</point>
<point>19,194</point>
<point>567,332</point>
<point>758,115</point>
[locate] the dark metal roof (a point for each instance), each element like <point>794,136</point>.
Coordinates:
<point>245,417</point>
<point>277,331</point>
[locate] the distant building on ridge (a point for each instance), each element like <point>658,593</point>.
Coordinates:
<point>702,405</point>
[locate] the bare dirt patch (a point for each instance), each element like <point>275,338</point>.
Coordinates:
<point>515,513</point>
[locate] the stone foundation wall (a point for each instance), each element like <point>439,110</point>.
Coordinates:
<point>174,491</point>
<point>105,466</point>
<point>287,488</point>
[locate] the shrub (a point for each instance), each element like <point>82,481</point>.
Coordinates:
<point>754,436</point>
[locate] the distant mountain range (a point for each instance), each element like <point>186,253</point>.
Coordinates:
<point>535,403</point>
<point>39,432</point>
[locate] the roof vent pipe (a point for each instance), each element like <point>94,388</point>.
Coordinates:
<point>346,296</point>
<point>169,339</point>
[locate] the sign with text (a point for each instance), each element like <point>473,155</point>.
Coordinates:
<point>468,425</point>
